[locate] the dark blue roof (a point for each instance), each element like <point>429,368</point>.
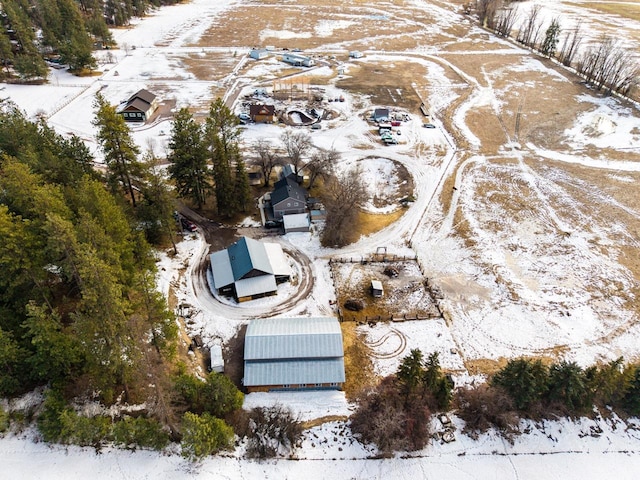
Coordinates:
<point>246,255</point>
<point>287,188</point>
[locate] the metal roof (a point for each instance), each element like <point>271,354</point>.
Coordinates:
<point>293,326</point>
<point>279,265</point>
<point>284,351</point>
<point>301,372</point>
<point>246,255</point>
<point>229,265</point>
<point>248,287</point>
<point>221,269</point>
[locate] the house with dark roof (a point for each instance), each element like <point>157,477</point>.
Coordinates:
<point>288,197</point>
<point>140,106</point>
<point>263,113</point>
<point>249,269</point>
<point>293,354</point>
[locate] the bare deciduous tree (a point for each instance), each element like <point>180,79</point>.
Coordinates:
<point>321,164</point>
<point>528,33</point>
<point>570,45</point>
<point>297,144</point>
<point>608,66</point>
<point>505,20</point>
<point>487,11</point>
<point>342,198</point>
<point>266,158</point>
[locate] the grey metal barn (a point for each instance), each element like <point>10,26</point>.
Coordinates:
<point>293,354</point>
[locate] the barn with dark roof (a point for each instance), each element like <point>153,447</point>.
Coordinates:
<point>249,269</point>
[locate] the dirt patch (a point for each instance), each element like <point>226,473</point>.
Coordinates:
<point>404,295</point>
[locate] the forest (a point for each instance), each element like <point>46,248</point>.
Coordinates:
<point>80,314</point>
<point>61,31</point>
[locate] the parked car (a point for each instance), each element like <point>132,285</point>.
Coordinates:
<point>429,125</point>
<point>188,225</point>
<point>244,118</point>
<point>271,224</point>
<point>316,126</point>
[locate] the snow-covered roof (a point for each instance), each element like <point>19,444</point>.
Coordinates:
<point>295,220</point>
<point>279,264</point>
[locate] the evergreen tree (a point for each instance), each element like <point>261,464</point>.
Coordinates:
<point>551,38</point>
<point>524,380</point>
<point>188,157</point>
<point>241,190</point>
<point>119,149</point>
<point>158,203</point>
<point>28,62</point>
<point>567,385</point>
<point>410,372</point>
<point>222,134</point>
<point>204,435</point>
<point>631,399</point>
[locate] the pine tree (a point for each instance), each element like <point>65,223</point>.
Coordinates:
<point>222,134</point>
<point>551,38</point>
<point>241,190</point>
<point>204,435</point>
<point>120,152</point>
<point>188,157</point>
<point>567,385</point>
<point>524,380</point>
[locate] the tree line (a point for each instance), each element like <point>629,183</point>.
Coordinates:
<point>395,414</point>
<point>65,30</point>
<point>605,64</point>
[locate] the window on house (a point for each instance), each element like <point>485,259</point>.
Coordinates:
<point>125,115</point>
<point>288,204</point>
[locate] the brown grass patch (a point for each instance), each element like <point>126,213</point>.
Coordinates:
<point>387,83</point>
<point>315,422</point>
<point>624,9</point>
<point>357,362</point>
<point>369,223</point>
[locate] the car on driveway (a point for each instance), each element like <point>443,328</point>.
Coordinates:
<point>188,225</point>
<point>429,125</point>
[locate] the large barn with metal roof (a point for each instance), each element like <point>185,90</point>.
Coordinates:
<point>249,269</point>
<point>293,354</point>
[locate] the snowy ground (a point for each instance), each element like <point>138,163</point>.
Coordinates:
<point>541,276</point>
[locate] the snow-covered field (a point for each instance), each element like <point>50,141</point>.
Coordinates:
<point>537,270</point>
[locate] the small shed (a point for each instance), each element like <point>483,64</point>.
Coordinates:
<point>298,222</point>
<point>376,288</point>
<point>356,54</point>
<point>217,361</point>
<point>259,53</point>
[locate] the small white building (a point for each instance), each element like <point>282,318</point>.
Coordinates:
<point>297,60</point>
<point>356,54</point>
<point>217,361</point>
<point>259,53</point>
<point>376,288</point>
<point>297,222</point>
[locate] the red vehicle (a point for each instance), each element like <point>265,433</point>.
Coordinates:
<point>396,123</point>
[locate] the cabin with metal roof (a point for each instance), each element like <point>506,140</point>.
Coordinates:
<point>293,354</point>
<point>249,269</point>
<point>140,106</point>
